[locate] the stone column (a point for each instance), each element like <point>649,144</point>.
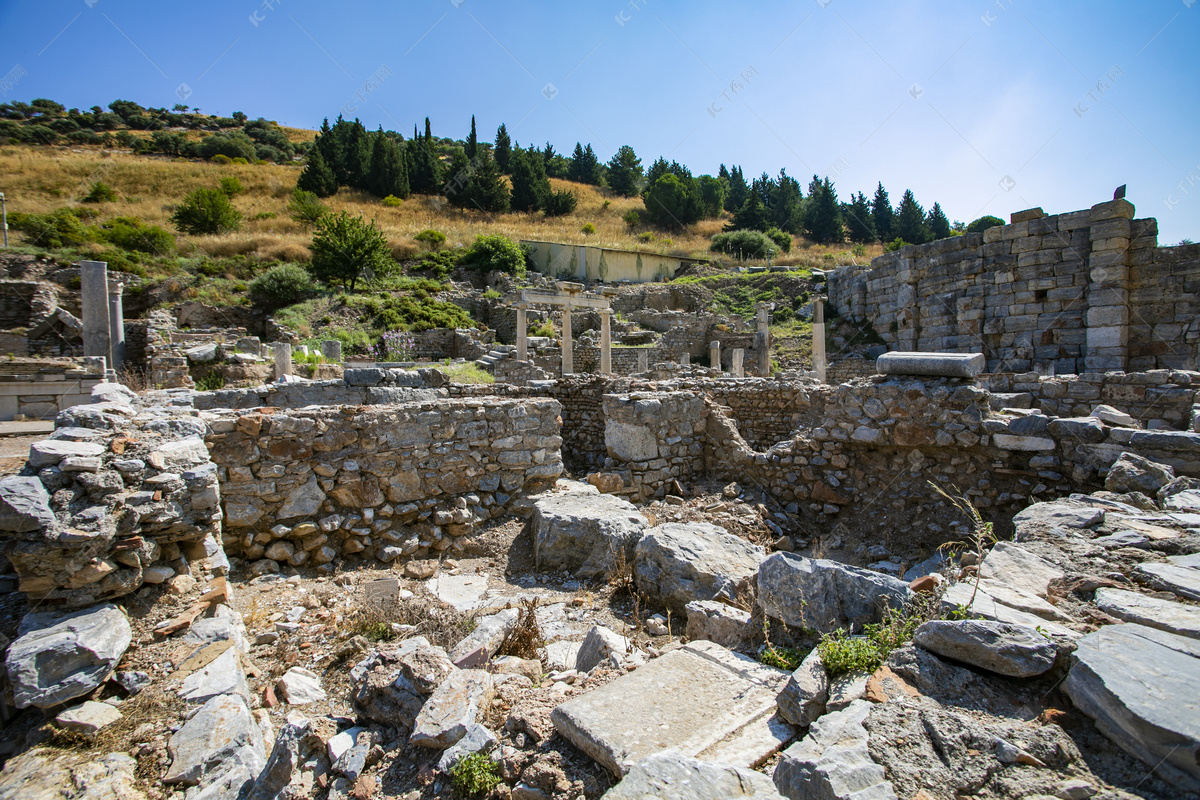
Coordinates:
<point>568,363</point>
<point>762,340</point>
<point>522,332</point>
<point>714,355</point>
<point>331,349</point>
<point>685,359</point>
<point>818,347</point>
<point>738,355</point>
<point>1107,316</point>
<point>283,359</point>
<point>116,326</point>
<point>93,289</point>
<point>643,361</point>
<point>605,343</point>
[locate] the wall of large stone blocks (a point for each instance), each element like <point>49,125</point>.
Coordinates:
<point>314,485</point>
<point>1158,399</point>
<point>1087,291</point>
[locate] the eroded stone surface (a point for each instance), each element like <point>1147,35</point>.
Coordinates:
<point>824,595</point>
<point>586,534</point>
<point>677,563</point>
<point>675,776</point>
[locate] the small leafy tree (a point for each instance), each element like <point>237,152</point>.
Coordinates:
<point>742,244</point>
<point>130,233</point>
<point>347,249</point>
<point>305,207</point>
<point>100,193</point>
<point>560,203</point>
<point>495,252</point>
<point>281,286</point>
<point>432,239</point>
<point>206,211</point>
<point>230,186</point>
<point>983,223</point>
<point>672,202</point>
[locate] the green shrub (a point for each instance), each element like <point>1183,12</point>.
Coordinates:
<point>474,775</point>
<point>893,245</point>
<point>281,286</point>
<point>430,238</point>
<point>130,233</point>
<point>742,244</point>
<point>560,203</point>
<point>210,382</point>
<point>219,158</point>
<point>842,654</point>
<point>440,263</point>
<point>632,218</point>
<point>206,211</point>
<point>346,249</point>
<point>646,236</point>
<point>495,252</point>
<point>239,160</point>
<point>59,228</point>
<point>787,658</point>
<point>264,215</point>
<point>100,193</point>
<point>305,207</point>
<point>983,223</point>
<point>391,201</point>
<point>784,240</point>
<point>542,329</point>
<point>492,294</point>
<point>588,229</point>
<point>230,186</point>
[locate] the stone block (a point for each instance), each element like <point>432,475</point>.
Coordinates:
<point>953,365</point>
<point>1026,215</point>
<point>1113,209</point>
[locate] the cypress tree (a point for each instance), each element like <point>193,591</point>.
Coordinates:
<point>317,177</point>
<point>389,173</point>
<point>425,177</point>
<point>882,214</point>
<point>503,150</point>
<point>823,220</point>
<point>625,172</point>
<point>530,186</point>
<point>457,178</point>
<point>486,188</point>
<point>357,156</point>
<point>472,146</point>
<point>735,198</point>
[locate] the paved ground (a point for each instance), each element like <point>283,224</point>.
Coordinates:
<point>14,449</point>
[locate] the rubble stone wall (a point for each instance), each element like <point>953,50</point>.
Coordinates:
<point>655,438</point>
<point>311,485</point>
<point>1086,291</point>
<point>1157,399</point>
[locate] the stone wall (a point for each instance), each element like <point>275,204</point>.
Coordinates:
<point>654,439</point>
<point>39,390</point>
<point>16,303</point>
<point>850,368</point>
<point>1159,399</point>
<point>314,485</point>
<point>1086,291</point>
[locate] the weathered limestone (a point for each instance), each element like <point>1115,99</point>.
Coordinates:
<point>762,340</point>
<point>587,534</point>
<point>605,343</point>
<point>1014,650</point>
<point>736,368</point>
<point>452,708</point>
<point>677,777</point>
<point>1139,684</point>
<point>93,291</point>
<point>701,700</point>
<point>946,365</point>
<point>716,622</point>
<point>677,563</point>
<point>714,354</point>
<point>116,327</point>
<point>522,331</point>
<point>833,761</point>
<point>64,657</point>
<point>24,505</point>
<point>803,699</point>
<point>599,645</point>
<point>331,350</point>
<point>1166,615</point>
<point>221,744</point>
<point>824,595</point>
<point>818,340</point>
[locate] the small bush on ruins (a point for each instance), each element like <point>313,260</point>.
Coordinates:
<point>784,240</point>
<point>742,244</point>
<point>542,329</point>
<point>842,654</point>
<point>130,233</point>
<point>439,264</point>
<point>495,252</point>
<point>433,240</point>
<point>348,249</point>
<point>983,223</point>
<point>281,286</point>
<point>206,211</point>
<point>60,228</point>
<point>210,382</point>
<point>474,775</point>
<point>100,193</point>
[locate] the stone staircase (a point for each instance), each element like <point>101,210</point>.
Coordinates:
<point>500,352</point>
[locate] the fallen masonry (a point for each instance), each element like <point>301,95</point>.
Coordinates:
<point>368,583</point>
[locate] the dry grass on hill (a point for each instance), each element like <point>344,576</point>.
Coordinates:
<point>41,179</point>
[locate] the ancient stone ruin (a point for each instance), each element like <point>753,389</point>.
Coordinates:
<point>974,572</point>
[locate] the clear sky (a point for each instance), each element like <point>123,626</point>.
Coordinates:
<point>987,107</point>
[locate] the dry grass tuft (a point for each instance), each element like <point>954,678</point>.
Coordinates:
<point>525,640</point>
<point>405,250</point>
<point>285,251</point>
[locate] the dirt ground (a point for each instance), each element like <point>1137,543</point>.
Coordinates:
<point>14,450</point>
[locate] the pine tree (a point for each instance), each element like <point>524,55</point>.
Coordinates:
<point>860,223</point>
<point>939,226</point>
<point>425,176</point>
<point>486,189</point>
<point>882,214</point>
<point>738,191</point>
<point>457,179</point>
<point>659,168</point>
<point>530,186</point>
<point>389,173</point>
<point>752,216</point>
<point>329,143</point>
<point>357,155</point>
<point>317,177</point>
<point>472,147</point>
<point>585,167</point>
<point>910,220</point>
<point>712,195</point>
<point>823,220</point>
<point>503,150</point>
<point>784,205</point>
<point>625,172</point>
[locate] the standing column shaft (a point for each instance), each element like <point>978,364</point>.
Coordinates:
<point>714,355</point>
<point>762,342</point>
<point>93,289</point>
<point>738,356</point>
<point>605,343</point>
<point>116,326</point>
<point>283,359</point>
<point>522,333</point>
<point>819,339</point>
<point>568,363</point>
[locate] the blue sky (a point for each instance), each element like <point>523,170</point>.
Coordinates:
<point>987,107</point>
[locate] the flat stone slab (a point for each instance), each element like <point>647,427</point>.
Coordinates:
<point>701,700</point>
<point>674,776</point>
<point>1060,514</point>
<point>1014,650</point>
<point>1139,684</point>
<point>677,563</point>
<point>1173,577</point>
<point>464,592</point>
<point>833,761</point>
<point>944,365</point>
<point>959,595</point>
<point>584,533</point>
<point>1165,615</point>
